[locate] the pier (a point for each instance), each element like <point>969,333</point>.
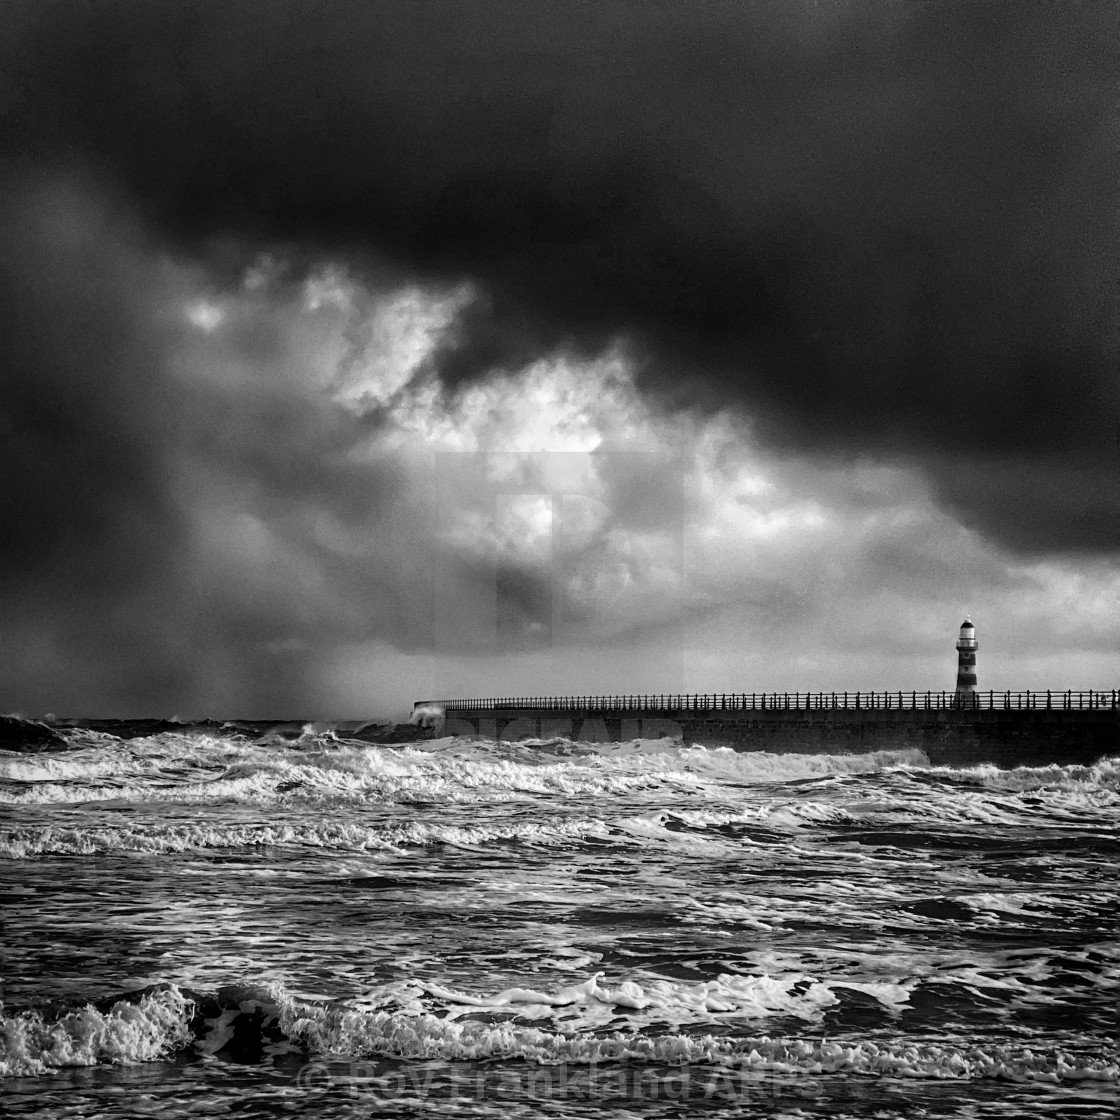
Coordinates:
<point>1003,728</point>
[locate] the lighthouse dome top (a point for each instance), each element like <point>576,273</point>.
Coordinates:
<point>968,623</point>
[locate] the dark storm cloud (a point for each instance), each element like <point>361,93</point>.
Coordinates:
<point>882,227</point>
<point>89,528</point>
<point>882,230</point>
<point>81,368</point>
<point>124,586</point>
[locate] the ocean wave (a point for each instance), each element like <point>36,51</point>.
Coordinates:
<point>177,767</point>
<point>27,843</point>
<point>156,1022</point>
<point>764,766</point>
<point>145,1029</point>
<point>170,772</point>
<point>699,829</point>
<point>80,764</point>
<point>156,838</point>
<point>322,771</point>
<point>1104,774</point>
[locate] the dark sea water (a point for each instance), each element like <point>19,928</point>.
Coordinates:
<point>206,923</point>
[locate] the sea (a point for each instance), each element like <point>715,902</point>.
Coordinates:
<point>209,921</point>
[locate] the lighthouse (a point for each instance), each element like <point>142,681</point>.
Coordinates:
<point>966,665</point>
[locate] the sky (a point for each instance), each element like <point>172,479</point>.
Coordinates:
<point>358,353</point>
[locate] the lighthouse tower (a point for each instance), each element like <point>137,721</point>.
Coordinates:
<point>966,666</point>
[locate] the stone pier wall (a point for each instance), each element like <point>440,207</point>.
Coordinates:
<point>948,738</point>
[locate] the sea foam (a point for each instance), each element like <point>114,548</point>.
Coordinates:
<point>156,1023</point>
<point>144,1030</point>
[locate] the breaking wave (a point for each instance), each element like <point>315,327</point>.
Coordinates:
<point>161,1020</point>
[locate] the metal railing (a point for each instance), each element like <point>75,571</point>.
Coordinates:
<point>797,701</point>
